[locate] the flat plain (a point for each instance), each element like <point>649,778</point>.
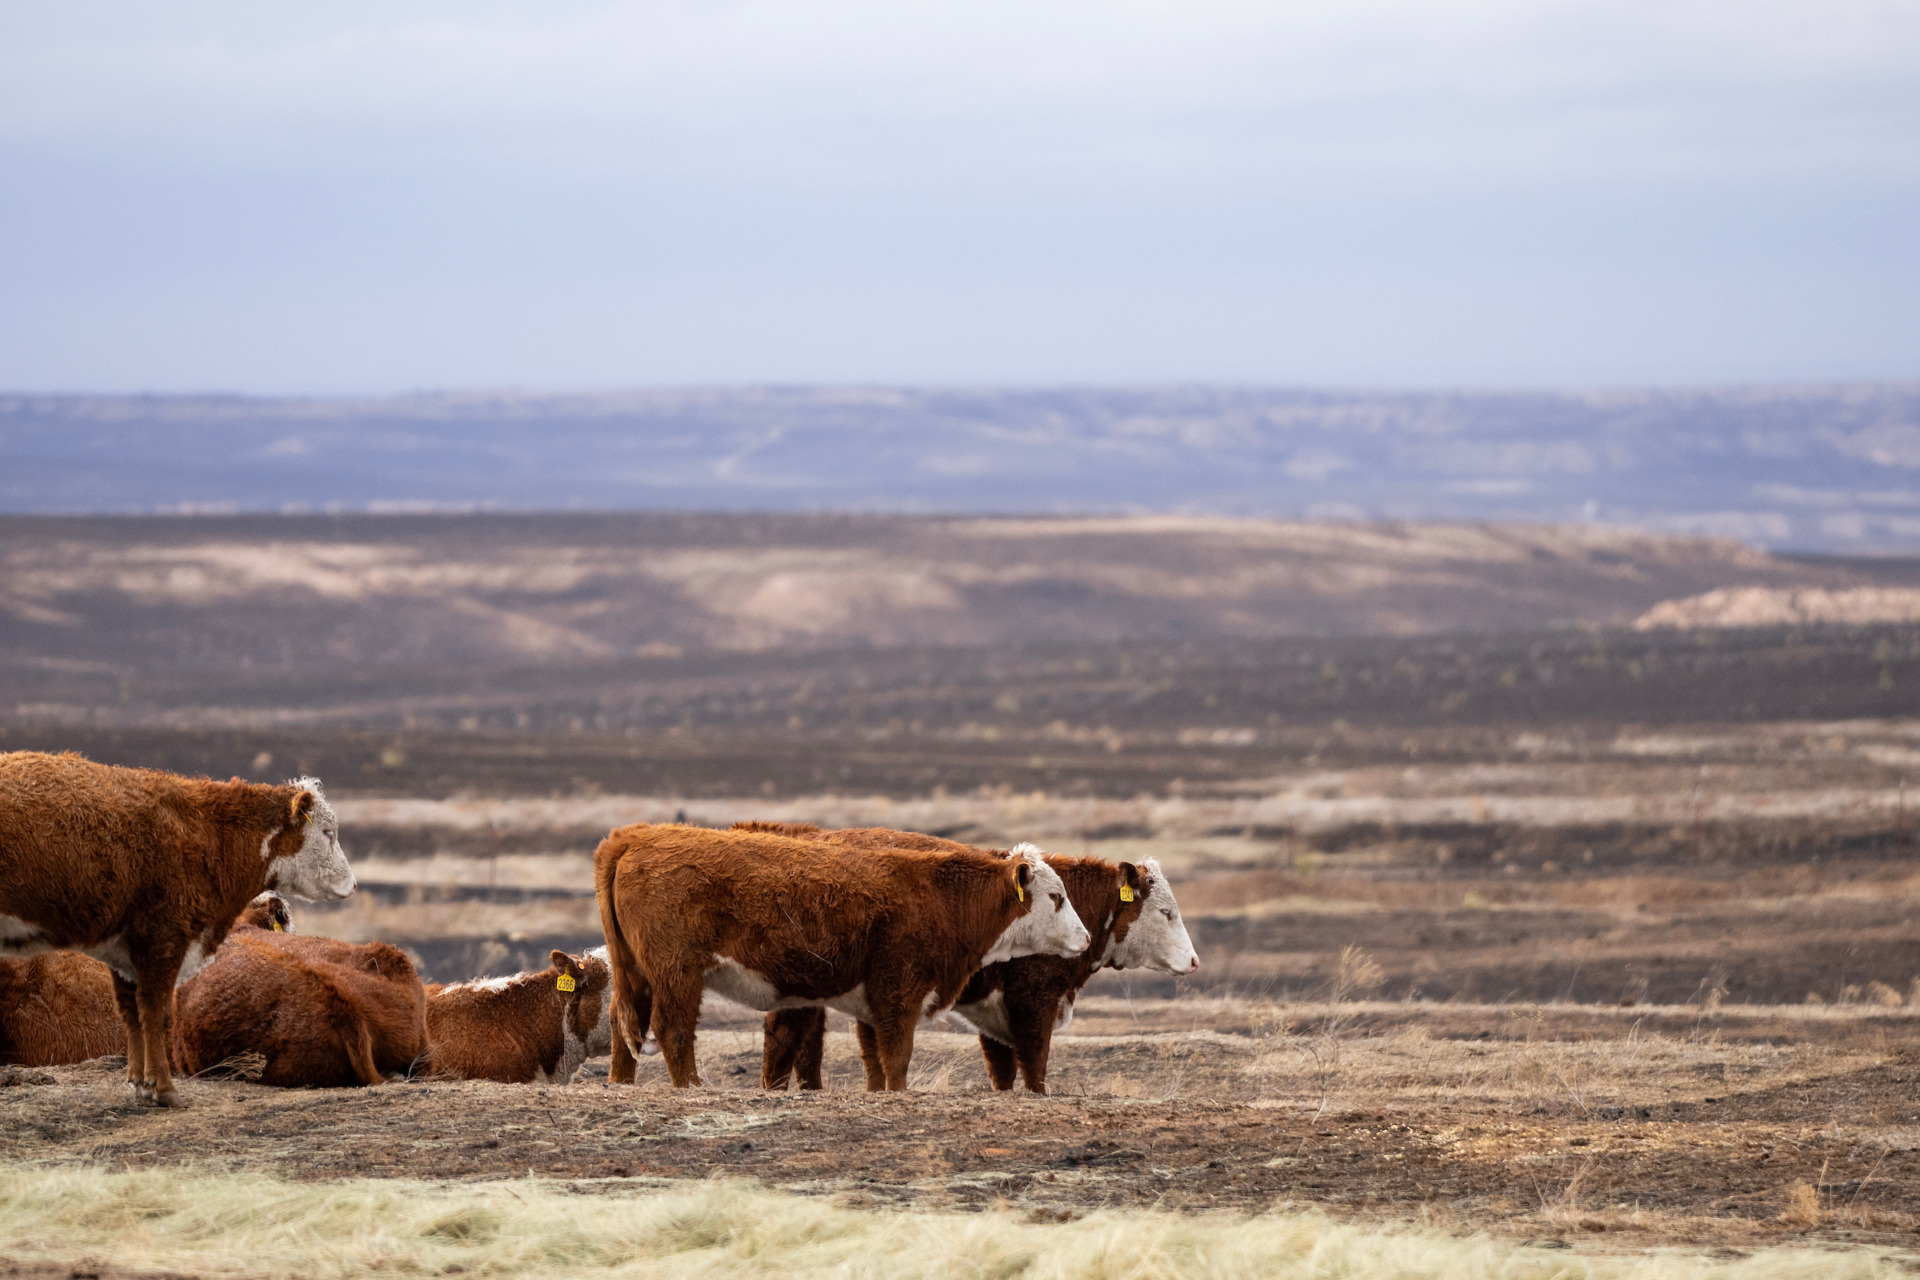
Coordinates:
<point>1556,929</point>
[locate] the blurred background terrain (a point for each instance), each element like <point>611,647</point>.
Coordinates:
<point>1509,761</point>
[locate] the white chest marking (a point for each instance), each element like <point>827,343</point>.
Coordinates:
<point>194,961</point>
<point>988,1017</point>
<point>853,1004</point>
<point>113,953</point>
<point>19,938</point>
<point>736,982</point>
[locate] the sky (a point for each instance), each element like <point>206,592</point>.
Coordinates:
<point>359,198</point>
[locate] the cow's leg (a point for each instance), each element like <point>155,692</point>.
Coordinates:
<point>676,1012</point>
<point>812,1050</point>
<point>780,1036</point>
<point>631,1015</point>
<point>870,1057</point>
<point>621,1069</point>
<point>999,1058</point>
<point>893,1038</point>
<point>1032,1029</point>
<point>155,998</point>
<point>125,995</point>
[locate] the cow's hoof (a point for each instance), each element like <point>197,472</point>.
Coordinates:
<point>141,1090</point>
<point>171,1098</point>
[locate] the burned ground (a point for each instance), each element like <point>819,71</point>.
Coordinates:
<point>1665,1126</point>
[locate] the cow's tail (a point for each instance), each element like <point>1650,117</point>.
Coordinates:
<point>623,1017</point>
<point>355,1032</point>
<point>357,1040</point>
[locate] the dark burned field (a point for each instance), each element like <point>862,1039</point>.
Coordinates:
<point>1560,929</point>
<point>1732,1128</point>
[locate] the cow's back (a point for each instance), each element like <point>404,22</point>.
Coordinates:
<point>57,1007</point>
<point>321,1012</point>
<point>82,843</point>
<point>698,891</point>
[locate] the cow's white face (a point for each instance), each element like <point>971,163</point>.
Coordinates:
<point>1050,926</point>
<point>1158,938</point>
<point>599,1035</point>
<point>317,870</point>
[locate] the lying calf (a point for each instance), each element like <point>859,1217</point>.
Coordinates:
<point>888,935</point>
<point>531,1028</point>
<point>321,1012</point>
<point>60,1007</point>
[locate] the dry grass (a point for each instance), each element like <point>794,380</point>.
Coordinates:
<point>222,1225</point>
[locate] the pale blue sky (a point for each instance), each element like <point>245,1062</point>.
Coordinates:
<point>358,198</point>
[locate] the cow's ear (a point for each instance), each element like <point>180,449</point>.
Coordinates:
<point>1022,878</point>
<point>562,961</point>
<point>302,807</point>
<point>1133,885</point>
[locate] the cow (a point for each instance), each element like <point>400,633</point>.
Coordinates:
<point>772,922</point>
<point>320,1012</point>
<point>58,1007</point>
<point>145,871</point>
<point>531,1028</point>
<point>1015,1005</point>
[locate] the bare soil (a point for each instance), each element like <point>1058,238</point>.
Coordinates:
<point>1645,1127</point>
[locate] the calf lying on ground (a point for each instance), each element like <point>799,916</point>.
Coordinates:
<point>321,1012</point>
<point>888,935</point>
<point>59,1006</point>
<point>531,1028</point>
<point>1015,1005</point>
<point>145,871</point>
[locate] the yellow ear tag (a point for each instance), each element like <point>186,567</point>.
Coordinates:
<point>1126,893</point>
<point>1019,893</point>
<point>276,926</point>
<point>566,982</point>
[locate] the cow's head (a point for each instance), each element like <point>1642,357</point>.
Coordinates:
<point>305,859</point>
<point>268,911</point>
<point>1047,924</point>
<point>587,1011</point>
<point>1157,937</point>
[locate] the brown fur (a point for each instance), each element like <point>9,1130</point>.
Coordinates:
<point>814,918</point>
<point>90,853</point>
<point>59,1007</point>
<point>322,1012</point>
<point>1032,987</point>
<point>516,1033</point>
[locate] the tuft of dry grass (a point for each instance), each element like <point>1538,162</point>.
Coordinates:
<point>222,1225</point>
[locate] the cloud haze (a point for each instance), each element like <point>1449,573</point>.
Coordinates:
<point>280,197</point>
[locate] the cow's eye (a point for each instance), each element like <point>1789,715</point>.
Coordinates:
<point>1168,914</point>
<point>1058,901</point>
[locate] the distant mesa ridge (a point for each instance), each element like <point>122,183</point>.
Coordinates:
<point>1833,468</point>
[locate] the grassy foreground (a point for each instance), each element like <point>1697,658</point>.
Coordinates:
<point>250,1226</point>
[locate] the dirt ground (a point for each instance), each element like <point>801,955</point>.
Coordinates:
<point>1729,1128</point>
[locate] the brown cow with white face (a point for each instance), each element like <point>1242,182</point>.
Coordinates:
<point>1015,1005</point>
<point>773,922</point>
<point>145,871</point>
<point>531,1028</point>
<point>59,1006</point>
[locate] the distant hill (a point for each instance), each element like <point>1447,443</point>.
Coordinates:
<point>662,630</point>
<point>1832,469</point>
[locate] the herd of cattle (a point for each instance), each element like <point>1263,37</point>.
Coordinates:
<point>143,913</point>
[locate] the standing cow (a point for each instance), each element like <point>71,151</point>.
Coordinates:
<point>773,922</point>
<point>145,871</point>
<point>1015,1005</point>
